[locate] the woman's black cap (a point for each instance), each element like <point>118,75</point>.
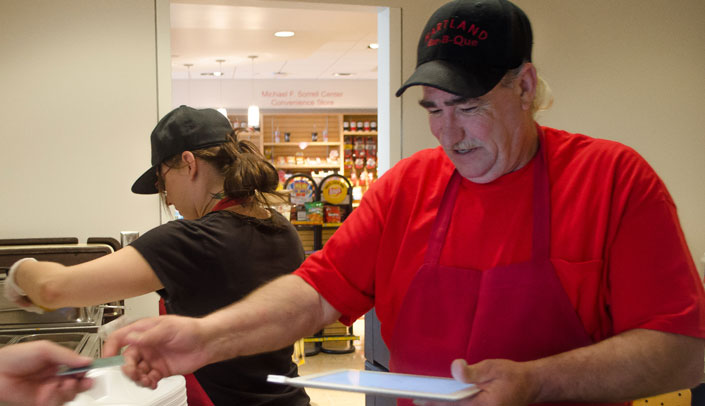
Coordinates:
<point>182,129</point>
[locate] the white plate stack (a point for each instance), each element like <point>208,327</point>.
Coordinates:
<point>112,387</point>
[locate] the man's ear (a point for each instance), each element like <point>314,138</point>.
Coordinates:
<point>526,85</point>
<point>190,161</point>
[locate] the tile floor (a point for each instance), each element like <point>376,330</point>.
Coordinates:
<point>324,362</point>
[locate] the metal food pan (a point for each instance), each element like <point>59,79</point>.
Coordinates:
<point>72,341</point>
<point>11,314</point>
<point>5,340</point>
<point>92,347</point>
<point>85,320</point>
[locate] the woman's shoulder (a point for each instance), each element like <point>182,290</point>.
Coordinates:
<point>275,221</point>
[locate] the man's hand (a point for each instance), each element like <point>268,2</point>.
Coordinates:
<point>159,347</point>
<point>631,365</point>
<point>501,382</point>
<point>28,374</point>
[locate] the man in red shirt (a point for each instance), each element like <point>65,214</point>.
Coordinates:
<point>540,265</point>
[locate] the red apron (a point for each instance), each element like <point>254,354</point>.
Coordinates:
<point>195,394</point>
<point>519,312</point>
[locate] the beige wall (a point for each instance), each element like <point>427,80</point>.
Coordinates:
<point>632,71</point>
<point>79,90</point>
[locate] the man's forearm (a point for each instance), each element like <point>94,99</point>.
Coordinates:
<point>631,365</point>
<point>268,319</point>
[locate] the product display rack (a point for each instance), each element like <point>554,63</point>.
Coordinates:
<point>249,134</point>
<point>333,190</point>
<point>302,142</point>
<point>360,149</point>
<point>301,151</point>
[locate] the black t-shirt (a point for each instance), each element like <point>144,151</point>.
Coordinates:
<point>209,263</point>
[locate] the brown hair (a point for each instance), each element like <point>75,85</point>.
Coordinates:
<point>248,176</point>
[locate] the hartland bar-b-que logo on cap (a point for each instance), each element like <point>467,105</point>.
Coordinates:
<point>461,33</point>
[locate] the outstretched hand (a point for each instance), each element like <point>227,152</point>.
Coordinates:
<point>28,374</point>
<point>501,382</point>
<point>159,347</point>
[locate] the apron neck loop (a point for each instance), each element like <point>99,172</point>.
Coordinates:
<point>440,225</point>
<point>226,202</point>
<point>541,210</point>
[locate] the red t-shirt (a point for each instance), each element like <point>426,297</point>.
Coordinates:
<point>616,242</point>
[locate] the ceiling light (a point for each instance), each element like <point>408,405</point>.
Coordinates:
<point>342,74</point>
<point>373,46</point>
<point>253,108</point>
<point>221,109</point>
<point>284,34</point>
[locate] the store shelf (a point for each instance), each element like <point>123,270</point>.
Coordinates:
<point>312,223</point>
<point>296,144</point>
<point>305,223</point>
<point>322,166</point>
<point>361,133</point>
<point>315,339</point>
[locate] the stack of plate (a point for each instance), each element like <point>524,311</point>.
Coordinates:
<point>112,387</point>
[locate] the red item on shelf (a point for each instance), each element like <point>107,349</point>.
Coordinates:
<point>353,179</point>
<point>359,163</point>
<point>332,214</point>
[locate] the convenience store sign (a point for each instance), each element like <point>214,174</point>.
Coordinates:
<point>301,98</point>
<point>278,94</point>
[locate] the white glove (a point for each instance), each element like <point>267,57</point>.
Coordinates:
<point>15,294</point>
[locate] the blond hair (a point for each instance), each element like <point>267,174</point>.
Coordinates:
<point>543,97</point>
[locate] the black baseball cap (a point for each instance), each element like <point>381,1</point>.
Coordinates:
<point>182,129</point>
<point>468,45</point>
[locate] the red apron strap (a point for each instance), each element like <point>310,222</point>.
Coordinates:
<point>542,205</point>
<point>225,203</point>
<point>440,225</point>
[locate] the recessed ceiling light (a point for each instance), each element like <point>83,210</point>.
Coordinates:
<point>373,46</point>
<point>284,34</point>
<point>342,74</point>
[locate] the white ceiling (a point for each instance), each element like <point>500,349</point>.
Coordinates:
<point>327,41</point>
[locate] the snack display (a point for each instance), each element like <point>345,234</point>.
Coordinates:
<point>302,190</point>
<point>332,214</point>
<point>314,211</point>
<point>334,191</point>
